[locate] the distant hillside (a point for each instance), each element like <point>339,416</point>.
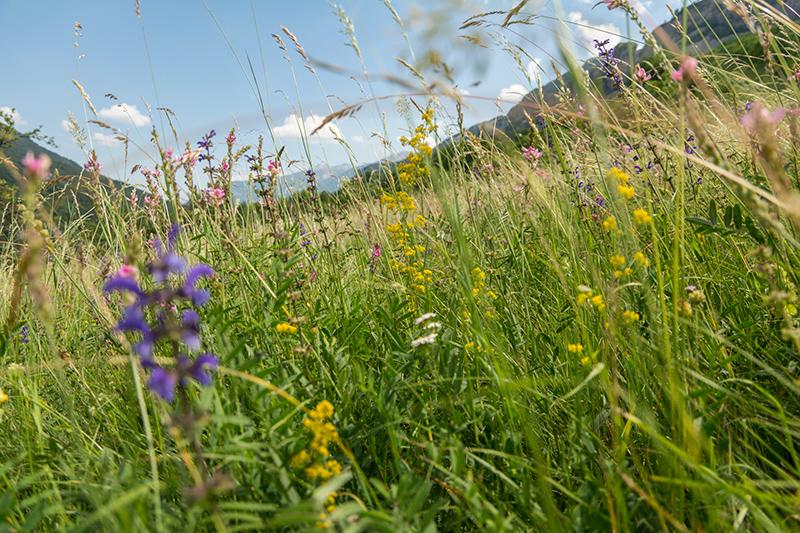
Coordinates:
<point>67,197</point>
<point>709,24</point>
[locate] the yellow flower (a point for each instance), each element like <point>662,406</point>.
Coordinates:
<point>619,175</point>
<point>575,348</point>
<point>610,223</point>
<point>598,302</point>
<point>640,216</point>
<point>300,459</point>
<point>3,396</point>
<point>617,260</point>
<point>641,259</point>
<point>626,191</point>
<point>629,317</point>
<point>285,327</point>
<point>586,360</point>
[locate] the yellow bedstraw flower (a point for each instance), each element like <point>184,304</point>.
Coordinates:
<point>629,317</point>
<point>610,223</point>
<point>597,301</point>
<point>575,348</point>
<point>285,327</point>
<point>626,191</point>
<point>619,175</point>
<point>640,216</point>
<point>641,259</point>
<point>617,260</point>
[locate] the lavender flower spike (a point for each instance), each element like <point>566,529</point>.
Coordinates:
<point>173,323</point>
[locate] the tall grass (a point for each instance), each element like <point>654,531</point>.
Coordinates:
<point>596,359</point>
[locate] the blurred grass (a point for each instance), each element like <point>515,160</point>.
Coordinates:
<point>684,419</point>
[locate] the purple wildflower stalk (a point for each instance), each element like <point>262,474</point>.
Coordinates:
<point>175,328</point>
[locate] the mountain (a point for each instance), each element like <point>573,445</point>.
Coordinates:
<point>66,196</point>
<point>709,24</point>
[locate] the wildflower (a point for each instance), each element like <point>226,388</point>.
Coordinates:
<point>610,223</point>
<point>92,164</point>
<point>641,75</point>
<point>622,273</point>
<point>619,175</point>
<point>23,334</point>
<point>608,62</point>
<point>128,271</point>
<point>152,201</point>
<point>427,339</point>
<point>686,71</point>
<point>575,348</point>
<point>760,119</point>
<point>3,396</point>
<point>626,191</point>
<point>586,360</point>
<point>531,153</point>
<point>172,326</point>
<point>640,216</point>
<point>423,318</point>
<point>38,167</point>
<point>285,327</point>
<point>597,301</point>
<point>214,196</point>
<point>617,260</point>
<point>641,259</point>
<point>231,138</point>
<point>376,254</point>
<point>629,317</point>
<point>613,4</point>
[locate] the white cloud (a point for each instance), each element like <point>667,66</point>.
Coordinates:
<point>294,127</point>
<point>512,94</point>
<point>127,113</point>
<point>588,32</point>
<point>535,69</point>
<point>106,139</point>
<point>357,138</point>
<point>18,120</point>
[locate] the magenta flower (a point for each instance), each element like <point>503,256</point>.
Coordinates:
<point>531,153</point>
<point>128,271</point>
<point>214,196</point>
<point>614,4</point>
<point>36,166</point>
<point>231,138</point>
<point>759,118</point>
<point>686,71</point>
<point>92,164</point>
<point>641,75</point>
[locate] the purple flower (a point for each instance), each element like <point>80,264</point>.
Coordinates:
<point>23,334</point>
<point>172,326</point>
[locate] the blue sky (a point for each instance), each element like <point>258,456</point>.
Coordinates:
<point>191,56</point>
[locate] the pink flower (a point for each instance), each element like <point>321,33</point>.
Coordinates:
<point>128,271</point>
<point>613,4</point>
<point>759,119</point>
<point>274,167</point>
<point>686,71</point>
<point>214,196</point>
<point>641,75</point>
<point>231,138</point>
<point>92,164</point>
<point>152,201</point>
<point>224,166</point>
<point>531,153</point>
<point>36,166</point>
<point>168,154</point>
<point>189,157</point>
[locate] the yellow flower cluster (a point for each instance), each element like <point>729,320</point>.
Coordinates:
<point>3,396</point>
<point>610,223</point>
<point>414,168</point>
<point>317,460</point>
<point>483,296</point>
<point>629,317</point>
<point>640,216</point>
<point>399,202</point>
<point>641,259</point>
<point>586,296</point>
<point>473,347</point>
<point>623,187</point>
<point>286,328</point>
<point>575,348</point>
<point>409,254</point>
